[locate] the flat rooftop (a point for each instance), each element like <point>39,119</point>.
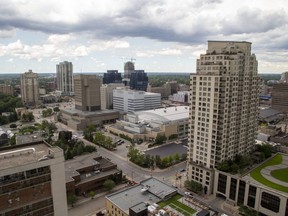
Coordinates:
<point>18,155</point>
<point>148,191</point>
<point>264,175</point>
<point>168,114</point>
<point>73,111</point>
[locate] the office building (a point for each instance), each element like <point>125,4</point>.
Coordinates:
<point>87,105</point>
<point>32,180</point>
<point>6,89</point>
<point>280,97</point>
<point>224,108</point>
<point>112,76</point>
<point>64,72</point>
<point>181,96</point>
<point>164,90</point>
<point>29,88</point>
<point>87,92</point>
<point>284,77</point>
<point>138,80</point>
<point>106,92</point>
<point>130,100</point>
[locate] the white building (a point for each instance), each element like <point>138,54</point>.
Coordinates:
<point>130,100</point>
<point>106,92</point>
<point>32,180</point>
<point>30,88</point>
<point>64,72</point>
<point>224,108</point>
<point>181,96</point>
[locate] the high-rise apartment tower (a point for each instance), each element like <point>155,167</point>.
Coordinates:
<point>65,78</point>
<point>29,88</point>
<point>223,110</point>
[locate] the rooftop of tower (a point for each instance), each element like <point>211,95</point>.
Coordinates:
<point>19,155</point>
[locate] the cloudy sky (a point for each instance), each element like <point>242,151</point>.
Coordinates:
<point>162,35</point>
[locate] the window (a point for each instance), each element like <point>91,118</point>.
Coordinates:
<point>270,202</point>
<point>251,196</point>
<point>233,187</point>
<point>222,183</point>
<point>241,193</point>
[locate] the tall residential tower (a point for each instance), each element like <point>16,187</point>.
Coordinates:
<point>65,78</point>
<point>224,107</point>
<point>29,88</point>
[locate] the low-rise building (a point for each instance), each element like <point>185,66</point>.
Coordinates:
<point>135,200</point>
<point>78,119</point>
<point>146,125</point>
<point>6,89</point>
<point>106,92</point>
<point>88,172</point>
<point>267,195</point>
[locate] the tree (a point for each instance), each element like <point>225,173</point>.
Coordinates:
<point>88,132</point>
<point>109,184</point>
<point>56,109</point>
<point>193,186</point>
<point>13,125</point>
<point>246,211</point>
<point>12,140</point>
<point>71,199</point>
<point>160,139</point>
<point>176,157</point>
<point>92,194</point>
<point>65,136</point>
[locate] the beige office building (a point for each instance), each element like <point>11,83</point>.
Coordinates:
<point>29,88</point>
<point>224,108</point>
<point>32,180</point>
<point>87,92</point>
<point>106,92</point>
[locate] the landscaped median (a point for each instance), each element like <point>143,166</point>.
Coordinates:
<point>178,206</point>
<point>256,173</point>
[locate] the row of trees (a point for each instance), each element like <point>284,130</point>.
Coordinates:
<point>8,103</point>
<point>241,162</point>
<point>148,161</point>
<point>72,147</point>
<point>105,141</point>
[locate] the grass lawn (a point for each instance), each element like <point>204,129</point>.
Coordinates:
<point>281,174</point>
<point>256,174</point>
<point>175,204</point>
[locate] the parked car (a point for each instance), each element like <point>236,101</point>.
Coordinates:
<point>188,194</point>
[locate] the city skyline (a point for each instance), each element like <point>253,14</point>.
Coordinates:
<point>101,36</point>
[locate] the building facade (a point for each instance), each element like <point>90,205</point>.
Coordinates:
<point>280,97</point>
<point>224,108</point>
<point>106,92</point>
<point>112,76</point>
<point>64,72</point>
<point>32,180</point>
<point>139,80</point>
<point>87,92</point>
<point>6,89</point>
<point>130,100</point>
<point>29,88</point>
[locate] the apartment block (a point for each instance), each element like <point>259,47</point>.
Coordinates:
<point>32,180</point>
<point>224,108</point>
<point>64,73</point>
<point>29,88</point>
<point>6,89</point>
<point>280,97</point>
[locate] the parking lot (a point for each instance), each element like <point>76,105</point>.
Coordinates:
<point>166,150</point>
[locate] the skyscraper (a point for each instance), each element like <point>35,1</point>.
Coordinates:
<point>224,107</point>
<point>129,67</point>
<point>65,78</point>
<point>112,76</point>
<point>29,88</point>
<point>87,92</point>
<point>138,80</point>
